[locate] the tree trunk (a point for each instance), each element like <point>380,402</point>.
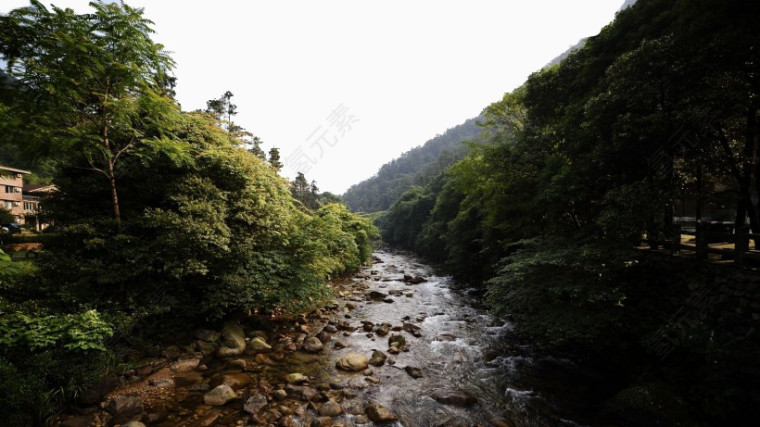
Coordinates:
<point>114,197</point>
<point>110,160</point>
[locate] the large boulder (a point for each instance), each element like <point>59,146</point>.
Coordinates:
<point>219,396</point>
<point>233,335</point>
<point>232,340</point>
<point>352,362</point>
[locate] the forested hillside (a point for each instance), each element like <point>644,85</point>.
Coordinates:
<point>660,109</point>
<point>415,167</point>
<point>160,215</point>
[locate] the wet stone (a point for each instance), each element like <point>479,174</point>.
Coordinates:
<point>255,403</point>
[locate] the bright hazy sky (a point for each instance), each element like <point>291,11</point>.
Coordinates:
<point>342,87</point>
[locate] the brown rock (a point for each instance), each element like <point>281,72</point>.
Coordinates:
<point>330,409</point>
<point>125,408</point>
<point>379,413</point>
<point>352,362</point>
<point>454,398</point>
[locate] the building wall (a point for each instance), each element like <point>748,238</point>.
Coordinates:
<point>11,197</point>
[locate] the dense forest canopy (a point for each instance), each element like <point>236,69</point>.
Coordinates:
<point>653,120</point>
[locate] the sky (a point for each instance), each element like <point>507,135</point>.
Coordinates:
<point>343,87</point>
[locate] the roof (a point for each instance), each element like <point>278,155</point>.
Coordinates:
<point>14,170</point>
<point>39,188</point>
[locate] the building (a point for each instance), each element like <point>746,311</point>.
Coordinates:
<point>31,198</point>
<point>11,191</point>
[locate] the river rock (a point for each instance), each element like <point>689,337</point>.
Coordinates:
<point>321,422</point>
<point>383,329</point>
<point>206,348</point>
<point>125,408</point>
<point>185,365</point>
<point>280,394</point>
<point>396,339</point>
<point>257,345</point>
<point>263,359</point>
<point>454,398</point>
<point>414,280</point>
<point>225,351</point>
<point>340,344</point>
<point>324,336</point>
<point>379,413</point>
<point>378,358</point>
<point>232,335</point>
<point>412,329</point>
<point>331,408</point>
<point>133,424</point>
<point>255,403</point>
<point>219,396</point>
<point>297,378</point>
<point>313,345</point>
<point>304,393</point>
<point>236,380</point>
<point>413,372</point>
<point>352,362</point>
<point>377,295</point>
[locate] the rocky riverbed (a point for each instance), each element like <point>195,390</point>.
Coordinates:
<point>398,346</point>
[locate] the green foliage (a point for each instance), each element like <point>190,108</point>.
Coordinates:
<point>6,216</point>
<point>581,298</point>
<point>83,332</point>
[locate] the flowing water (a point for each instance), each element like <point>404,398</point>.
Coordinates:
<point>460,348</point>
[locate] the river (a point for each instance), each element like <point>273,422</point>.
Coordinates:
<point>459,365</point>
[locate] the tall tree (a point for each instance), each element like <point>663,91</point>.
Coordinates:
<point>105,83</point>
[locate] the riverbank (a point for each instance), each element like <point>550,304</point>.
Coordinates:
<point>397,345</point>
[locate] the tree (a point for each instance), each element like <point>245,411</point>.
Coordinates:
<point>274,159</point>
<point>223,109</point>
<point>256,149</point>
<point>105,83</point>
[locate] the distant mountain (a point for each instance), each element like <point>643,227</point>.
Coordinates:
<point>411,168</point>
